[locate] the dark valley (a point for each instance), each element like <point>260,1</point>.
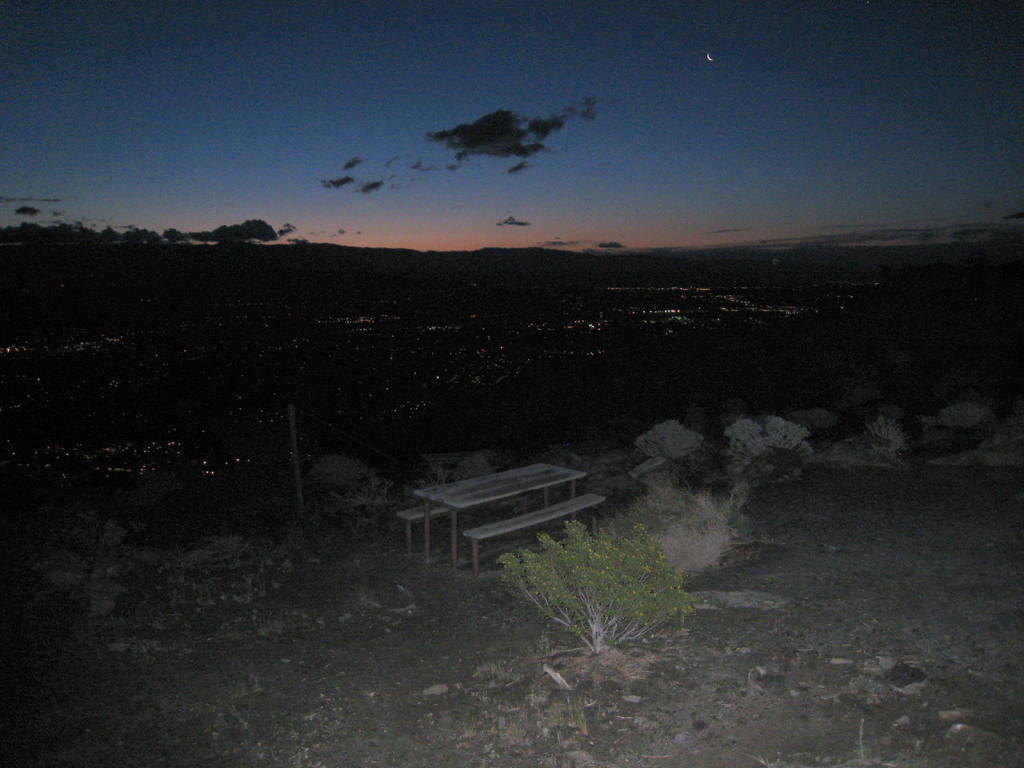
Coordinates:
<point>123,359</point>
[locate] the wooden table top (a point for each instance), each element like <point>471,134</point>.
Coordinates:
<point>498,486</point>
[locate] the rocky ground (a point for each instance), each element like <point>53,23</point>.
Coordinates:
<point>875,618</point>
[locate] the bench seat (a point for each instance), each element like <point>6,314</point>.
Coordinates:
<point>568,507</point>
<point>415,515</point>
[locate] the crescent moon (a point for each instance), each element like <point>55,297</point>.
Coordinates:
<point>709,57</point>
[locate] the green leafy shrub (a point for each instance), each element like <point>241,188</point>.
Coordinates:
<point>607,589</point>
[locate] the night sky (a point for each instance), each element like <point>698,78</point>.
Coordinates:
<point>455,125</point>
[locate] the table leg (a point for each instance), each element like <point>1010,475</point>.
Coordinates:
<point>455,538</point>
<point>426,530</point>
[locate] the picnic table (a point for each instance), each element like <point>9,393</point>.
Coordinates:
<point>451,498</point>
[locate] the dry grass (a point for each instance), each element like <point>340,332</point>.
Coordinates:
<point>695,528</point>
<point>609,664</point>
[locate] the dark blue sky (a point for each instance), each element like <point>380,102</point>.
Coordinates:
<point>439,125</point>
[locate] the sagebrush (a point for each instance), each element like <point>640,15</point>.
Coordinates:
<point>767,448</point>
<point>670,440</point>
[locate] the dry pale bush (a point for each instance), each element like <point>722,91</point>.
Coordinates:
<point>766,449</point>
<point>336,470</point>
<point>963,414</point>
<point>859,451</point>
<point>473,466</point>
<point>814,419</point>
<point>669,440</point>
<point>694,528</point>
<point>749,438</point>
<point>889,433</point>
<point>1004,447</point>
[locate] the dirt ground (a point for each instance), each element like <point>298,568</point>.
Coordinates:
<point>877,619</point>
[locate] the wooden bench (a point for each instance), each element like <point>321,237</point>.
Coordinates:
<point>569,507</point>
<point>415,515</point>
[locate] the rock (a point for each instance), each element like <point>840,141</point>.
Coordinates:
<point>1003,448</point>
<point>963,735</point>
<point>436,690</point>
<point>954,715</point>
<point>103,596</point>
<point>868,688</point>
<point>384,594</point>
<point>858,451</point>
<point>904,674</point>
<point>648,466</point>
<point>576,758</point>
<point>113,534</point>
<point>886,663</point>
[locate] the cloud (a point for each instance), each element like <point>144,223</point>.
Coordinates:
<point>252,229</point>
<point>585,109</point>
<point>542,128</point>
<point>336,183</point>
<point>504,133</point>
<point>559,243</point>
<point>726,231</point>
<point>498,134</point>
<point>611,244</point>
<point>419,166</point>
<point>30,199</point>
<point>981,232</point>
<point>1015,216</point>
<point>501,133</point>
<point>513,222</point>
<point>341,231</point>
<point>287,229</point>
<point>26,210</point>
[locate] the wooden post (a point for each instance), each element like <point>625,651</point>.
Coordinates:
<point>296,467</point>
